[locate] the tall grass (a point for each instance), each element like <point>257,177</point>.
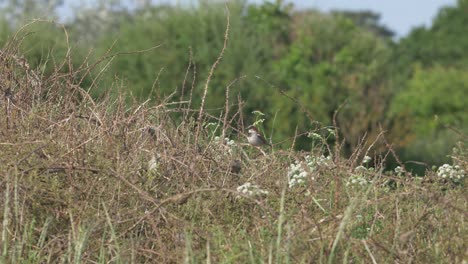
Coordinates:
<point>100,181</point>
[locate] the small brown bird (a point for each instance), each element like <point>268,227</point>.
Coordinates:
<point>255,138</point>
<point>236,166</point>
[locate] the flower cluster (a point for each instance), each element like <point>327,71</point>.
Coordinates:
<point>226,146</point>
<point>361,169</point>
<point>228,141</point>
<point>314,135</point>
<point>317,136</point>
<point>251,189</point>
<point>297,175</point>
<point>451,172</point>
<point>366,159</point>
<point>357,180</point>
<point>399,170</point>
<point>315,162</point>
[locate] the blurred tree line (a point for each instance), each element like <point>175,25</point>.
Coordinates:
<point>296,66</point>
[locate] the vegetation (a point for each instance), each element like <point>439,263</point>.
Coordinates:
<point>281,62</point>
<point>130,152</point>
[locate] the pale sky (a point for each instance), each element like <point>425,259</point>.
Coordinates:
<point>399,15</point>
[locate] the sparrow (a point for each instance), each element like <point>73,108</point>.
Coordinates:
<point>255,138</point>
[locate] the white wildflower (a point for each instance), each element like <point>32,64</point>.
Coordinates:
<point>316,162</point>
<point>250,189</point>
<point>360,169</point>
<point>298,172</point>
<point>331,131</point>
<point>452,172</point>
<point>153,164</point>
<point>399,170</point>
<point>357,180</point>
<point>366,159</point>
<point>229,143</point>
<point>314,135</point>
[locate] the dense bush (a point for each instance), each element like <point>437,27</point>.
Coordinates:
<point>279,61</point>
<point>99,181</point>
<point>90,171</point>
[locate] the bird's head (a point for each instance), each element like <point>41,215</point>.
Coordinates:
<point>252,130</point>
